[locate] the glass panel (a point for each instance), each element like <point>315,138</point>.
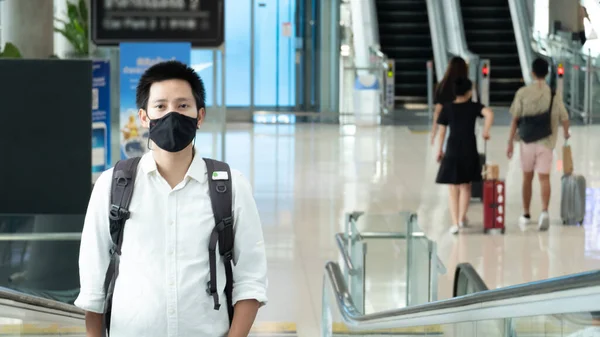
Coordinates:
<point>39,254</point>
<point>202,62</point>
<point>274,45</point>
<point>286,71</point>
<point>266,52</point>
<point>357,279</point>
<point>382,223</point>
<point>238,39</point>
<point>419,261</point>
<point>210,137</point>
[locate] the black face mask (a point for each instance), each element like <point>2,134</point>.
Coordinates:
<point>173,132</point>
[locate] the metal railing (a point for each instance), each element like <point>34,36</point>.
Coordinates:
<point>577,75</point>
<point>422,265</point>
<point>535,300</point>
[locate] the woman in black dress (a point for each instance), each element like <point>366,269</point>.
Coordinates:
<point>444,93</point>
<point>459,165</point>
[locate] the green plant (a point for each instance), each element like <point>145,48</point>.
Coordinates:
<point>76,28</point>
<point>10,51</point>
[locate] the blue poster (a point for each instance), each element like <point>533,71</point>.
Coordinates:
<point>135,58</point>
<point>101,156</point>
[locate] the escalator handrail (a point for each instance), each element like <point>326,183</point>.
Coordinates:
<point>40,302</point>
<point>472,275</point>
<point>400,317</point>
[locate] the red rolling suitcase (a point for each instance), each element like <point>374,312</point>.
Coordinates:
<point>493,205</point>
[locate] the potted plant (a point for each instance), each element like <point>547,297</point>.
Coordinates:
<point>10,51</point>
<point>76,28</point>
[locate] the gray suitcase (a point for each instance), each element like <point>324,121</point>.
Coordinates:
<point>572,201</point>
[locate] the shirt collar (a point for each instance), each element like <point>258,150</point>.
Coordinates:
<point>196,171</point>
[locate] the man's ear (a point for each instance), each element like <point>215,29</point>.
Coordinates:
<point>143,116</point>
<point>201,115</point>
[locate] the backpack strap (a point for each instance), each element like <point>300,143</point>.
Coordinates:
<point>121,191</point>
<point>552,94</point>
<point>221,197</point>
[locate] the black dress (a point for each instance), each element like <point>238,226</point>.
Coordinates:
<point>460,164</point>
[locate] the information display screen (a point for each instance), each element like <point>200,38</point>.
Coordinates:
<point>201,22</point>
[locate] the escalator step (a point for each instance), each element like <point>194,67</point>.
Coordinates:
<point>497,47</point>
<point>405,16</point>
<point>416,40</point>
<point>403,28</point>
<point>405,37</point>
<point>409,52</point>
<point>489,23</point>
<point>487,35</point>
<point>409,5</point>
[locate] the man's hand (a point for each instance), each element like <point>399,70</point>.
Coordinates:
<point>567,134</point>
<point>509,151</point>
<point>486,134</point>
<point>440,156</point>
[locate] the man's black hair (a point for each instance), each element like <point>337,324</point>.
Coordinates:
<point>540,68</point>
<point>462,85</point>
<point>169,70</point>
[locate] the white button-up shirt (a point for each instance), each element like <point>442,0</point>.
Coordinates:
<point>164,266</point>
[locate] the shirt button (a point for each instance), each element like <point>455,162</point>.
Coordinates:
<point>172,223</point>
<point>171,312</point>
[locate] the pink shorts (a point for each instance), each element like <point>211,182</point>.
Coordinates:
<point>536,157</point>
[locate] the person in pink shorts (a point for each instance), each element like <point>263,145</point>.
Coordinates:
<point>537,113</point>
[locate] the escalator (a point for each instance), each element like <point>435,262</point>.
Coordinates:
<point>566,306</point>
<point>404,36</point>
<point>490,34</point>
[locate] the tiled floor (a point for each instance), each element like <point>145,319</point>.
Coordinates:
<point>306,177</point>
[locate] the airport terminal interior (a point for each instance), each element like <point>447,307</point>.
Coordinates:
<point>327,108</point>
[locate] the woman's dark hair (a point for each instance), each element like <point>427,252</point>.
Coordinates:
<point>457,67</point>
<point>462,85</point>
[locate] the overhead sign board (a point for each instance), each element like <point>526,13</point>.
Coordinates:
<point>200,22</point>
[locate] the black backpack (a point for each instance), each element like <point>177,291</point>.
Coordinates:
<point>222,201</point>
<point>537,127</point>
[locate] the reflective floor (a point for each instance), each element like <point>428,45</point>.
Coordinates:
<point>306,177</point>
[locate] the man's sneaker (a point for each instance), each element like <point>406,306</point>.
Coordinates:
<point>454,229</point>
<point>544,222</point>
<point>524,220</point>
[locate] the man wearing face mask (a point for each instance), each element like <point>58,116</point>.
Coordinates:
<point>164,238</point>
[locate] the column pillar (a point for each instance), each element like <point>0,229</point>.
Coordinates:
<point>29,25</point>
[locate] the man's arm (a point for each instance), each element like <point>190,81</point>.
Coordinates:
<point>563,117</point>
<point>511,137</point>
<point>94,323</point>
<point>243,318</point>
<point>250,272</point>
<point>94,256</point>
<point>516,110</point>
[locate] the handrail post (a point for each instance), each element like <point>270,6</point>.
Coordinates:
<point>430,89</point>
<point>587,92</point>
<point>485,70</point>
<point>590,87</point>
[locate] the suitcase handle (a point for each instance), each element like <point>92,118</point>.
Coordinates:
<point>484,166</point>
